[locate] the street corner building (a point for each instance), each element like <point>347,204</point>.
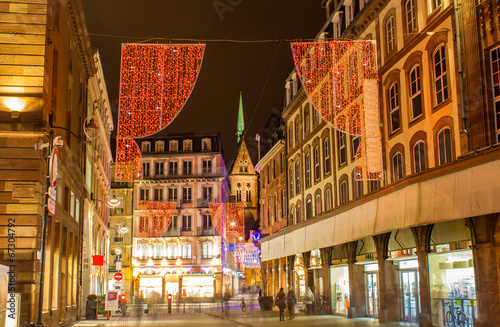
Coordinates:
<point>421,243</point>
<point>51,87</point>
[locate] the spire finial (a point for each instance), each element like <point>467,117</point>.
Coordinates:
<point>240,127</point>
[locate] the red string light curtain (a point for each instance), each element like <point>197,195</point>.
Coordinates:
<point>340,78</point>
<point>156,81</point>
<point>229,220</point>
<point>155,217</point>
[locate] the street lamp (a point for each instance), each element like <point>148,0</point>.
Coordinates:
<point>111,202</point>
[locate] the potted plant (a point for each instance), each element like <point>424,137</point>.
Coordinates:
<point>265,302</point>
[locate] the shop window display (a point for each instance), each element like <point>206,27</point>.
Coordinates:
<point>339,277</point>
<point>300,274</point>
<point>452,286</point>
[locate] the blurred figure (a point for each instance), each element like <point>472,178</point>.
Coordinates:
<point>290,301</point>
<point>309,301</point>
<point>281,303</point>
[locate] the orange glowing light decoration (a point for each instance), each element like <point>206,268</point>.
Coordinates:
<point>229,220</point>
<point>340,79</point>
<point>155,217</point>
<point>156,81</point>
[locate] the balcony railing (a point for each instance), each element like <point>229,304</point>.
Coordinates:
<point>186,172</point>
<point>172,232</point>
<point>206,231</point>
<point>204,203</point>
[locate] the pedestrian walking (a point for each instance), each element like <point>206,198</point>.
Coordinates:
<point>281,303</point>
<point>309,301</point>
<point>290,301</point>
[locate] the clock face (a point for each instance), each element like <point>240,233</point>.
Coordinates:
<point>118,251</point>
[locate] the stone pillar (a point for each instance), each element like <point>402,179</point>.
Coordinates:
<point>486,256</point>
<point>422,235</point>
<point>325,261</point>
<point>388,294</point>
<point>356,283</point>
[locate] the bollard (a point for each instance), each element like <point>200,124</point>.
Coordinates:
<point>184,306</point>
<point>169,298</point>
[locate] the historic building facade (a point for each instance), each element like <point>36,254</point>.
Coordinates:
<point>187,260</point>
<point>420,243</point>
<point>46,66</point>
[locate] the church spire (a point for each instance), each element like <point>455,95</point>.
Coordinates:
<point>240,128</point>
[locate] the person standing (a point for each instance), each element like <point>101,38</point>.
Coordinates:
<point>309,301</point>
<point>281,303</point>
<point>290,301</point>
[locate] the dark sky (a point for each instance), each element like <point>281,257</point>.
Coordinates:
<point>227,68</point>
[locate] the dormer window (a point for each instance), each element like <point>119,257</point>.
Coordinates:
<point>206,145</point>
<point>160,146</point>
<point>188,145</point>
<point>146,147</point>
<point>173,146</point>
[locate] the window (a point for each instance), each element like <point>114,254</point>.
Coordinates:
<point>157,251</point>
<point>158,194</point>
<point>187,167</point>
<point>143,252</point>
<point>440,75</point>
<point>186,223</point>
<point>173,224</point>
<point>186,195</point>
<point>290,137</point>
<point>186,250</point>
<point>292,217</point>
<point>297,178</point>
<point>172,194</point>
<point>173,146</point>
<point>298,216</point>
<point>394,107</point>
<point>315,117</point>
<point>275,169</point>
<point>77,213</point>
<point>326,153</point>
<point>373,185</point>
<point>146,147</point>
<point>344,196</point>
<point>435,4</point>
<point>248,195</point>
<point>207,250</point>
<point>357,187</point>
<point>207,221</point>
<point>207,193</point>
<point>159,169</point>
<point>397,167</point>
<point>144,194</point>
<point>317,204</point>
<point>172,168</point>
<point>290,178</point>
<point>275,204</point>
<point>495,72</point>
<point>316,163</point>
<point>415,92</point>
<point>419,156</point>
<point>411,19</point>
<point>238,195</point>
<point>206,145</point>
<point>72,205</point>
<point>297,130</point>
<point>145,168</point>
<point>283,203</point>
<point>187,145</point>
<point>355,139</point>
<point>342,149</point>
<point>306,120</point>
<point>207,166</point>
<point>159,146</point>
<point>172,251</point>
<point>328,200</point>
<point>389,34</point>
<point>283,163</point>
<point>308,170</point>
<point>444,146</point>
<point>309,209</point>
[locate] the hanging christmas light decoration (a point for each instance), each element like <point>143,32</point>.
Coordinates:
<point>229,220</point>
<point>340,79</point>
<point>155,217</point>
<point>156,81</point>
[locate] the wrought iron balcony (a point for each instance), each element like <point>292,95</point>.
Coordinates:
<point>206,231</point>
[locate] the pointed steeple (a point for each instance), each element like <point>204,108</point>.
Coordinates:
<point>240,128</point>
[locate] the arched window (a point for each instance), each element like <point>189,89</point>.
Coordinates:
<point>342,148</point>
<point>326,153</point>
<point>297,178</point>
<point>298,216</point>
<point>317,204</point>
<point>440,75</point>
<point>297,129</point>
<point>290,178</point>
<point>316,163</point>
<point>290,136</point>
<point>292,216</point>
<point>308,170</point>
<point>411,18</point>
<point>357,187</point>
<point>419,157</point>
<point>390,34</point>
<point>344,196</point>
<point>444,146</point>
<point>143,251</point>
<point>309,209</point>
<point>328,199</point>
<point>415,92</point>
<point>397,167</point>
<point>394,113</point>
<point>306,120</point>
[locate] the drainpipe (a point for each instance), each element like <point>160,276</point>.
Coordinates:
<point>458,37</point>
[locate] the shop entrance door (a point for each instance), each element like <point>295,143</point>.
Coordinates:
<point>409,294</point>
<point>371,294</point>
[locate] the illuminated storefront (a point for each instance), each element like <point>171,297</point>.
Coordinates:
<point>300,280</point>
<point>339,277</point>
<point>198,285</point>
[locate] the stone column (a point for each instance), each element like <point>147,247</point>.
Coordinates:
<point>356,283</point>
<point>326,254</point>
<point>388,295</point>
<point>422,235</point>
<point>486,256</point>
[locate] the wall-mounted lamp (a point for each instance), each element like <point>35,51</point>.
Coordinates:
<point>15,105</point>
<point>111,203</point>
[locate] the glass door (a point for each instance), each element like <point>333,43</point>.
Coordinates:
<point>371,294</point>
<point>409,294</point>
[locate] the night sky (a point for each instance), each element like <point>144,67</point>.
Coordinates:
<point>228,67</point>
